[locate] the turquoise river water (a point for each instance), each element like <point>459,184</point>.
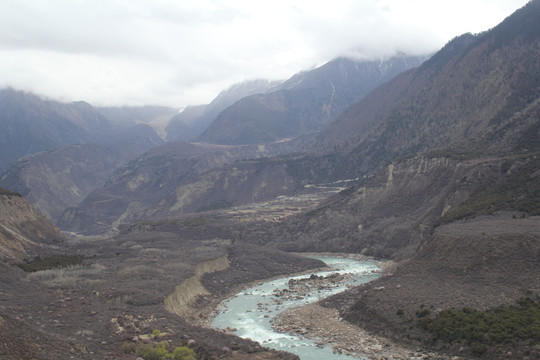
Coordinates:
<point>250,312</point>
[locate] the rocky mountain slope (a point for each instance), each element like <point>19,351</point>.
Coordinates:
<point>57,179</point>
<point>174,177</point>
<point>23,230</point>
<point>478,95</point>
<point>303,104</point>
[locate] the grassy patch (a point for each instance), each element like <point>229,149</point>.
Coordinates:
<point>508,324</point>
<point>77,276</point>
<point>50,262</point>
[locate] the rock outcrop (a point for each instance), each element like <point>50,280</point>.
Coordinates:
<point>23,230</point>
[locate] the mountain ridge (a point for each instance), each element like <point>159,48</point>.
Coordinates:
<point>303,104</point>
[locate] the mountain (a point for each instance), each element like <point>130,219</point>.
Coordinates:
<point>157,117</point>
<point>457,136</point>
<point>447,160</point>
<point>193,120</point>
<point>303,104</point>
<point>469,102</point>
<point>57,179</point>
<point>175,175</point>
<point>468,99</point>
<point>31,124</point>
<point>23,230</point>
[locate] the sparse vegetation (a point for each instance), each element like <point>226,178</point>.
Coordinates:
<point>198,221</point>
<point>479,329</point>
<point>77,276</point>
<point>519,191</point>
<point>9,192</point>
<point>159,351</point>
<point>221,204</point>
<point>51,262</point>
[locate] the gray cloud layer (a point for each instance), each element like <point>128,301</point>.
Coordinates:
<point>170,52</point>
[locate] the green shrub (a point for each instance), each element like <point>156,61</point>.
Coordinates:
<point>423,313</point>
<point>159,351</point>
<point>128,347</point>
<point>183,353</point>
<point>502,325</point>
<point>51,262</point>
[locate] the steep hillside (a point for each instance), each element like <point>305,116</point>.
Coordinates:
<point>485,264</point>
<point>193,120</point>
<point>167,173</point>
<point>463,213</point>
<point>31,124</point>
<point>303,104</point>
<point>393,211</point>
<point>479,95</point>
<point>23,230</point>
<point>55,180</point>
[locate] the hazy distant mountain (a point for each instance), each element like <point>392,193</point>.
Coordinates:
<point>57,179</point>
<point>31,124</point>
<point>305,103</point>
<point>157,117</point>
<point>193,120</point>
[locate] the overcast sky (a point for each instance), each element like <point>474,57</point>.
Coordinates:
<point>183,52</point>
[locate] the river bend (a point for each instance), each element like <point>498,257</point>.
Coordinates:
<point>250,313</point>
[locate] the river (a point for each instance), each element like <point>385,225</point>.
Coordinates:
<point>251,311</point>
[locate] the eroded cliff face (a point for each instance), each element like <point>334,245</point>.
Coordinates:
<point>23,230</point>
<point>392,212</point>
<point>182,300</point>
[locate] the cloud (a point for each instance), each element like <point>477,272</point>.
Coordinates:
<point>114,52</point>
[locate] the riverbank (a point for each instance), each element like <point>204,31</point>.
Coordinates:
<point>326,327</point>
<point>322,325</point>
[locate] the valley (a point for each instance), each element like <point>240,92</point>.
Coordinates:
<point>123,229</point>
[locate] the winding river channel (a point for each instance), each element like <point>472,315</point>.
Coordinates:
<point>250,313</point>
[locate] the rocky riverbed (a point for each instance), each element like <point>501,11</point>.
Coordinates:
<point>326,328</point>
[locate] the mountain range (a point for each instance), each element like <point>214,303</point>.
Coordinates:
<point>433,165</point>
<point>305,103</point>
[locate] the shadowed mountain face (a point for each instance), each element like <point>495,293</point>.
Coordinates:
<point>57,179</point>
<point>303,104</point>
<point>31,124</point>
